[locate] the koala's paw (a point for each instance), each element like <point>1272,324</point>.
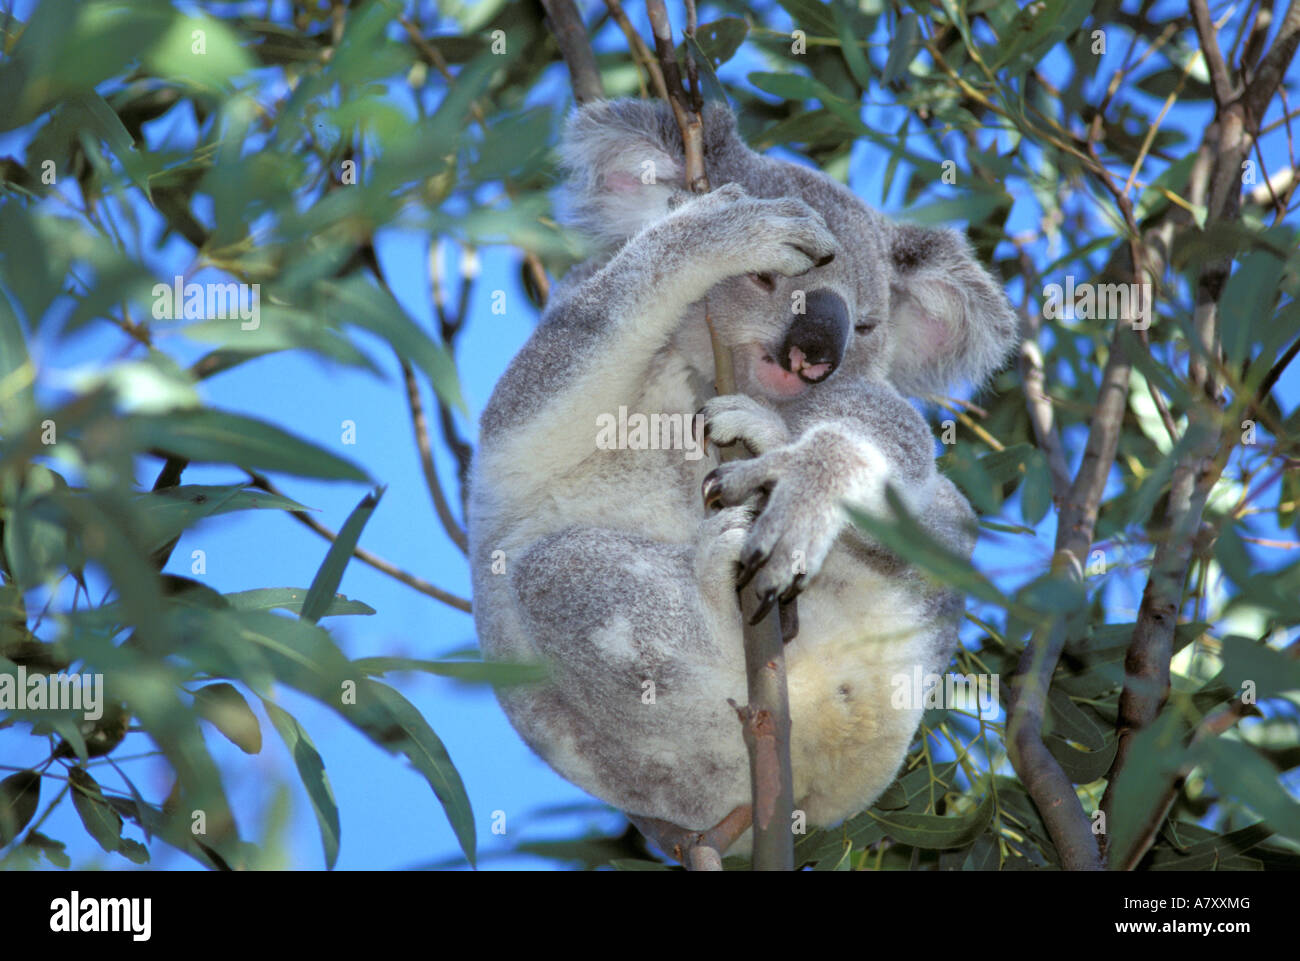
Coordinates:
<point>734,418</point>
<point>758,236</point>
<point>797,527</point>
<point>786,236</point>
<point>719,543</point>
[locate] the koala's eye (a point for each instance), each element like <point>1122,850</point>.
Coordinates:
<point>765,281</point>
<point>865,327</point>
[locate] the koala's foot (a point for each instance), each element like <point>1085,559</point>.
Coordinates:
<point>720,540</point>
<point>733,418</point>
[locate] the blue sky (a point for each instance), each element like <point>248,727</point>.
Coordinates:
<point>389,816</point>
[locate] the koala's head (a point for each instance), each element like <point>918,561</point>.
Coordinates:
<point>901,303</point>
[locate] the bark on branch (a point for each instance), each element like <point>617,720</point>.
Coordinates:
<point>766,718</point>
<point>567,28</point>
<point>1228,142</point>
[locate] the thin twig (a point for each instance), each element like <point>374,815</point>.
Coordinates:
<point>365,556</point>
<point>641,53</point>
<point>420,427</point>
<point>1219,81</point>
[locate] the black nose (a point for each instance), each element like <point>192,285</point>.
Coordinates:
<point>815,340</point>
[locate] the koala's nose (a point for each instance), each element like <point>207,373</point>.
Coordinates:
<point>815,340</point>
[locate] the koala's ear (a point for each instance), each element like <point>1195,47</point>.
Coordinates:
<point>949,320</point>
<point>623,160</point>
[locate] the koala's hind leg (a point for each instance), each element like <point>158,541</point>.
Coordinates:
<point>637,711</point>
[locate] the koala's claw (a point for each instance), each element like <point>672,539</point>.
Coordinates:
<point>795,588</point>
<point>750,565</point>
<point>789,621</point>
<point>769,599</point>
<point>711,489</point>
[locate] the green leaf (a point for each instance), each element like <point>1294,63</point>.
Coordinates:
<point>410,734</point>
<point>903,46</point>
<point>1081,767</point>
<point>1238,771</point>
<point>102,822</point>
<point>1209,854</point>
<point>842,862</point>
<point>811,16</point>
<point>934,832</point>
<point>291,599</point>
<point>326,582</point>
<point>791,86</point>
<point>1156,754</point>
<point>169,512</point>
<point>1010,464</point>
<point>1036,29</point>
<point>35,539</point>
<point>720,39</point>
<point>303,656</point>
<point>850,50</point>
<point>217,437</point>
<point>55,851</point>
<point>499,673</point>
<point>1036,491</point>
<point>311,770</point>
<point>224,707</point>
<point>909,540</point>
<point>20,793</point>
<point>1064,718</point>
<point>133,851</point>
<point>1247,302</point>
<point>633,864</point>
<point>200,50</point>
<point>377,311</point>
<point>1272,672</point>
<point>28,279</point>
<point>972,208</point>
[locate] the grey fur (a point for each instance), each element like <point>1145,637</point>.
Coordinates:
<point>609,567</point>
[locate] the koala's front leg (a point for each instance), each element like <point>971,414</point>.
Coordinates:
<point>804,489</point>
<point>598,338</point>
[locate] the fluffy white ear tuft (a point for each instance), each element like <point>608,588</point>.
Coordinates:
<point>949,320</point>
<point>623,168</point>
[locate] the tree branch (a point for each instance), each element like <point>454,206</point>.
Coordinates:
<point>697,850</point>
<point>571,35</point>
<point>1219,81</point>
<point>766,719</point>
<point>641,53</point>
<point>1146,665</point>
<point>1272,69</point>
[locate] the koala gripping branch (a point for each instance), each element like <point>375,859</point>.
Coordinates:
<point>765,720</point>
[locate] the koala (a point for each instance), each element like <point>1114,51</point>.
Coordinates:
<point>619,568</point>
